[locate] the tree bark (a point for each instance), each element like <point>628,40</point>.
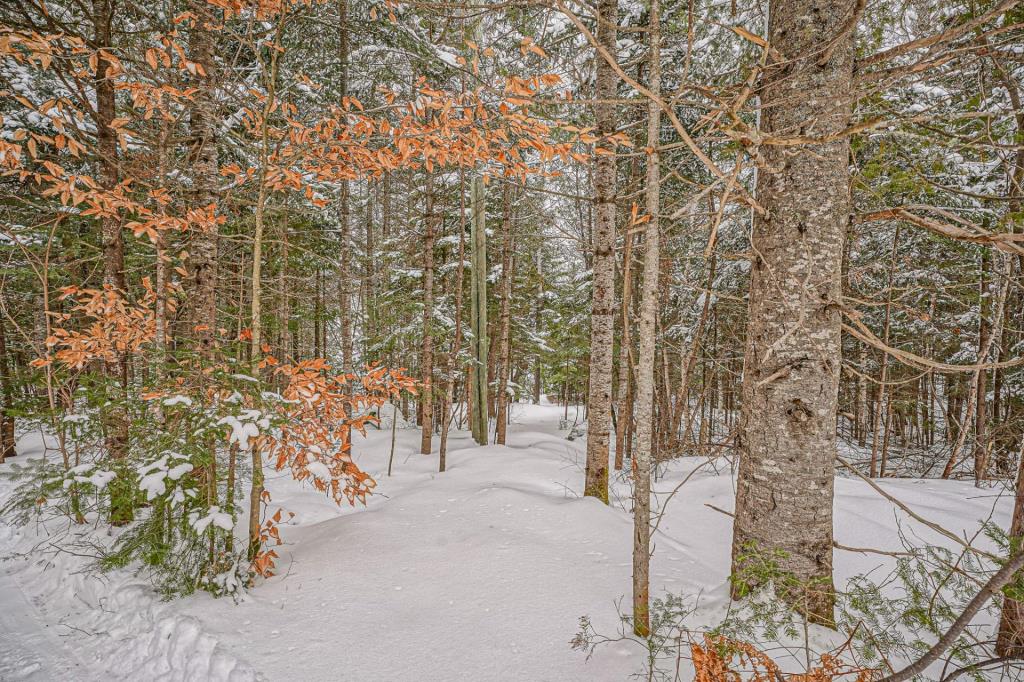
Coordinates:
<point>7,438</point>
<point>427,349</point>
<point>114,416</point>
<point>256,292</point>
<point>453,356</point>
<point>501,410</point>
<point>1010,640</point>
<point>787,439</point>
<point>981,400</point>
<point>478,310</point>
<point>602,317</point>
<point>205,177</point>
<point>646,353</point>
<point>625,395</point>
<point>883,373</point>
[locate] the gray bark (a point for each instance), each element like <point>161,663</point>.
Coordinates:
<point>602,317</point>
<point>649,301</point>
<point>205,178</point>
<point>791,368</point>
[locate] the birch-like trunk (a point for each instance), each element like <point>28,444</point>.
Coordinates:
<point>602,315</point>
<point>646,353</point>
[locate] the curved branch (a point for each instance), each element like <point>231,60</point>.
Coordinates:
<point>998,581</point>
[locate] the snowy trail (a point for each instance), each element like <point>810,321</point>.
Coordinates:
<point>29,649</point>
<point>480,573</point>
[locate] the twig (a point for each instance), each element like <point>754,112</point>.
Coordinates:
<point>974,667</point>
<point>1000,579</point>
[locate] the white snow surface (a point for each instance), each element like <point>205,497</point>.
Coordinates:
<point>480,573</point>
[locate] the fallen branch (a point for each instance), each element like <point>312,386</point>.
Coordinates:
<point>914,515</point>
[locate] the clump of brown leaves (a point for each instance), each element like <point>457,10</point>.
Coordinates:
<point>722,659</point>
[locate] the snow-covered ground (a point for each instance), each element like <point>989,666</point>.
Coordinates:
<point>480,573</point>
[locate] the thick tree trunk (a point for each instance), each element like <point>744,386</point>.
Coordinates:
<point>202,286</point>
<point>646,353</point>
<point>602,317</point>
<point>787,439</point>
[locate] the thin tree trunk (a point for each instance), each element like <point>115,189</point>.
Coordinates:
<point>981,400</point>
<point>625,365</point>
<point>883,373</point>
<point>538,308</point>
<point>453,356</point>
<point>501,409</point>
<point>113,414</point>
<point>344,238</point>
<point>602,316</point>
<point>690,363</point>
<point>976,376</point>
<point>1010,640</point>
<point>862,395</point>
<point>787,439</point>
<point>647,345</point>
<point>256,294</point>
<point>427,348</point>
<point>7,439</point>
<point>478,296</point>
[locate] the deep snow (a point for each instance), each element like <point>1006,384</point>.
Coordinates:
<point>480,573</point>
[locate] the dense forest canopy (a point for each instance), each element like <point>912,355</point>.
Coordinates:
<point>785,237</point>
